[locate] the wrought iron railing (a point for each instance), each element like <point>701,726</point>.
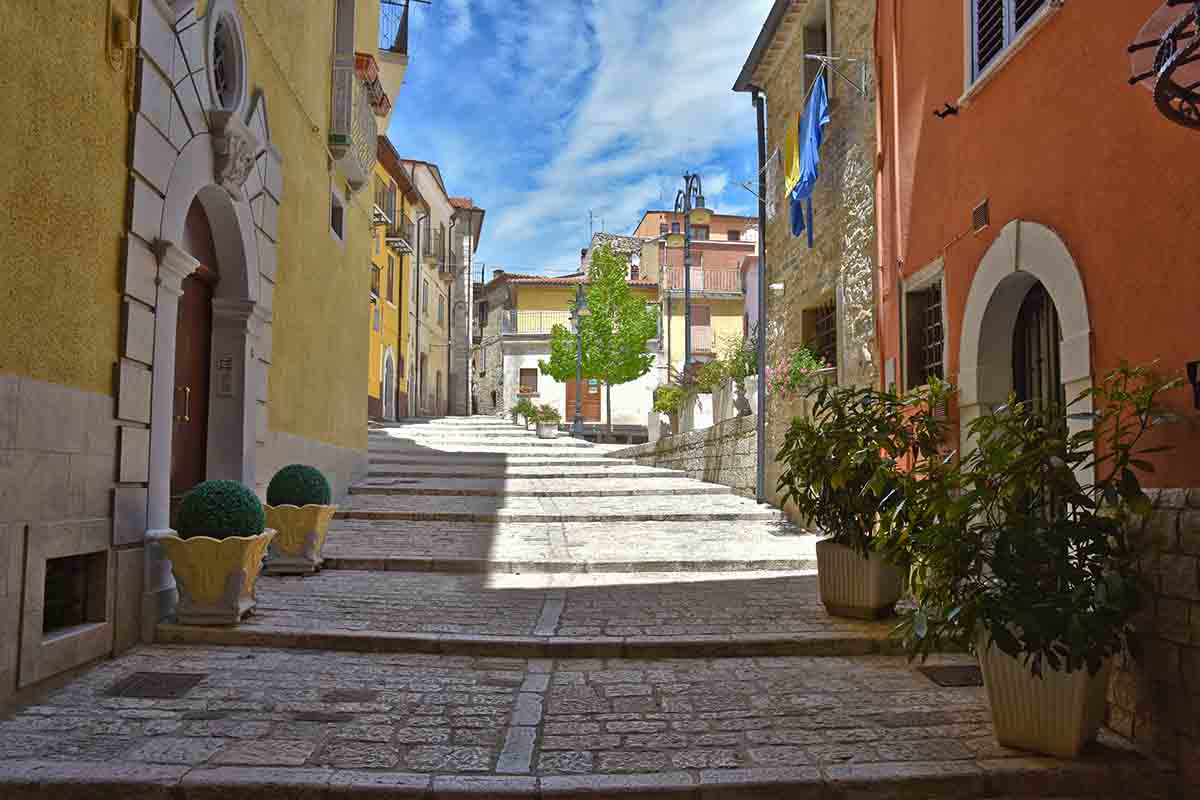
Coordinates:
<point>353,131</point>
<point>393,26</point>
<point>400,234</point>
<point>706,279</point>
<point>533,323</point>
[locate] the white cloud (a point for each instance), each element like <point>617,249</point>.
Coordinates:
<point>460,27</point>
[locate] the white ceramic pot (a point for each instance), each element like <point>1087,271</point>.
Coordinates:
<point>1055,714</point>
<point>547,430</point>
<point>853,586</point>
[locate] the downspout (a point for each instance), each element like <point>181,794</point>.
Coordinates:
<point>448,251</point>
<point>761,421</point>
<point>417,319</point>
<point>400,298</point>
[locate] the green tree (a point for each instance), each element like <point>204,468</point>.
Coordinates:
<point>614,334</point>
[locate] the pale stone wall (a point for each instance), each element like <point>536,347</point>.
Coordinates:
<point>723,453</point>
<point>841,265</point>
<point>1156,701</point>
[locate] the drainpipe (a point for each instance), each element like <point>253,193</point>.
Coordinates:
<point>761,422</point>
<point>417,320</point>
<point>400,326</point>
<point>448,250</point>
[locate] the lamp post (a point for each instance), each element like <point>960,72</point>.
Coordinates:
<point>580,311</point>
<point>689,203</point>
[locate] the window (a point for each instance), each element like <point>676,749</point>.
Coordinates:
<point>441,309</point>
<point>819,327</point>
<point>662,228</point>
<point>425,297</point>
<point>391,279</point>
<point>376,318</point>
<point>529,381</point>
<point>634,272</point>
<point>226,63</point>
<point>995,24</point>
<point>699,232</point>
<point>483,314</point>
<point>375,282</point>
<point>734,235</point>
<point>674,227</point>
<point>924,334</point>
<point>337,214</point>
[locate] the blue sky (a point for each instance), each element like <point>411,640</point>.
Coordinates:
<point>542,111</point>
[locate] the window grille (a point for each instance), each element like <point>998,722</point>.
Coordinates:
<point>825,338</point>
<point>995,25</point>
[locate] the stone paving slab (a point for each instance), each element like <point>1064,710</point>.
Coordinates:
<point>539,487</point>
<point>302,724</point>
<point>549,509</point>
<point>578,547</point>
<point>604,470</point>
<point>464,458</point>
<point>745,614</point>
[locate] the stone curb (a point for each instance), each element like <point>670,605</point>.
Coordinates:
<point>488,646</point>
<point>486,460</point>
<point>653,516</point>
<point>427,491</point>
<point>502,473</point>
<point>483,566</point>
<point>1009,778</point>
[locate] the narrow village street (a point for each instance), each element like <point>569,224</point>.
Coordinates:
<point>506,616</point>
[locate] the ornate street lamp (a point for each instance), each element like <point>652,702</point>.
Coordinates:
<point>689,203</point>
<point>580,311</point>
<point>1166,60</point>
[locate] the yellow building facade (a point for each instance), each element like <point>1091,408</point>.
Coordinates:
<point>209,171</point>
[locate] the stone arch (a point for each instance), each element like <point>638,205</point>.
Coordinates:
<point>1025,253</point>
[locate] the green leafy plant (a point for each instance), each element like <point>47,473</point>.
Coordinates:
<point>220,509</point>
<point>615,333</point>
<point>299,485</point>
<point>1024,544</point>
<point>843,465</point>
<point>668,398</point>
<point>794,372</point>
<point>548,414</point>
<point>710,375</point>
<point>524,407</point>
<point>741,357</point>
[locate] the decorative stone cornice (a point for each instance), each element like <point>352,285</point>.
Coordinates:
<point>229,312</point>
<point>235,148</point>
<point>174,264</point>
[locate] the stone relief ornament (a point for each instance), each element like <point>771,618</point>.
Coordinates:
<point>235,149</point>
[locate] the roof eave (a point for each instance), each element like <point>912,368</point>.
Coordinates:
<point>745,79</point>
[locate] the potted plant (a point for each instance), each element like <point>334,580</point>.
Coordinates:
<point>795,372</point>
<point>547,421</point>
<point>525,409</point>
<point>842,469</point>
<point>298,508</point>
<point>669,399</point>
<point>1021,553</point>
<point>742,363</point>
<point>218,552</point>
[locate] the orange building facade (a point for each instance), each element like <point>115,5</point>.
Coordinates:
<point>1033,235</point>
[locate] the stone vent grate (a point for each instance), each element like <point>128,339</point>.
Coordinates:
<point>953,676</point>
<point>156,685</point>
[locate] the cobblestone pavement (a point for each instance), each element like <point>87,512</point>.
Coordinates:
<point>323,722</point>
<point>590,508</point>
<point>539,487</point>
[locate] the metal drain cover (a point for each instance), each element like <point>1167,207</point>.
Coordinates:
<point>156,685</point>
<point>954,675</point>
<point>350,696</point>
<point>324,716</point>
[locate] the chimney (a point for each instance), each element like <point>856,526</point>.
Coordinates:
<point>497,273</point>
<point>583,257</point>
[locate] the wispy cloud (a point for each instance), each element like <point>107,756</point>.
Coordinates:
<point>544,112</point>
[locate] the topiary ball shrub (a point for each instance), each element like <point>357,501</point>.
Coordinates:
<point>298,485</point>
<point>220,509</point>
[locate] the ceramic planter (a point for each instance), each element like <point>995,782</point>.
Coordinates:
<point>300,537</point>
<point>547,430</point>
<point>216,577</point>
<point>1056,714</point>
<point>857,587</point>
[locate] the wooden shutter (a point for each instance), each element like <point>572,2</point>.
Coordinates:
<point>1024,10</point>
<point>988,32</point>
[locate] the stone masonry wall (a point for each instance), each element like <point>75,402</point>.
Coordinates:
<point>1156,701</point>
<point>723,453</point>
<point>841,265</point>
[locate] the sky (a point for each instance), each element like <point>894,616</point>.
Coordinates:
<point>545,110</point>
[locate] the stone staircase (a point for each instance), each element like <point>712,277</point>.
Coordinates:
<point>503,616</point>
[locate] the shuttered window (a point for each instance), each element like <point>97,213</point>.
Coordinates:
<point>994,26</point>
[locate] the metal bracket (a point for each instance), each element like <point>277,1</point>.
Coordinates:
<point>830,63</point>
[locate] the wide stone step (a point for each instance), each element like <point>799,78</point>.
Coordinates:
<point>566,455</point>
<point>452,442</point>
<point>580,547</point>
<point>497,460</point>
<point>656,615</point>
<point>698,509</point>
<point>533,487</point>
<point>267,724</point>
<point>605,470</point>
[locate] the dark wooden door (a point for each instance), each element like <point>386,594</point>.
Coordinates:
<point>1037,373</point>
<point>591,401</point>
<point>193,341</point>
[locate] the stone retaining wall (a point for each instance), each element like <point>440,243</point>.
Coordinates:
<point>1156,701</point>
<point>723,453</point>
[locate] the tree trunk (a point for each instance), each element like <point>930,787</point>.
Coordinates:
<point>608,392</point>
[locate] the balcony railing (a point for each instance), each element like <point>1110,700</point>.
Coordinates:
<point>532,323</point>
<point>703,340</point>
<point>400,234</point>
<point>393,26</point>
<point>353,131</point>
<point>706,279</point>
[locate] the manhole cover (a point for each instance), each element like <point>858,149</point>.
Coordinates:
<point>958,675</point>
<point>350,696</point>
<point>156,685</point>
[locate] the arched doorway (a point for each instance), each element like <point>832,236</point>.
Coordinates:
<point>1037,369</point>
<point>193,349</point>
<point>387,388</point>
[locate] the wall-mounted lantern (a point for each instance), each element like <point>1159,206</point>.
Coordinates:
<point>1165,59</point>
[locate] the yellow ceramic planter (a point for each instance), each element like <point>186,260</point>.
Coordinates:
<point>216,577</point>
<point>301,537</point>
